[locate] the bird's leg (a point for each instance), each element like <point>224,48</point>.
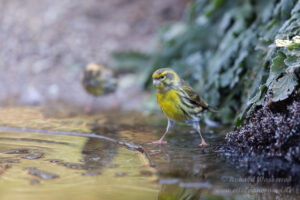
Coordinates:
<point>169,127</point>
<point>197,127</point>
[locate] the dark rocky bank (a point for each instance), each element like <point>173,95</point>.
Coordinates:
<point>269,139</point>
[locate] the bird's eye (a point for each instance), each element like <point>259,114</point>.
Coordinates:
<point>162,77</point>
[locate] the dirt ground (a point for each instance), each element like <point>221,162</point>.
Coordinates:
<point>45,44</point>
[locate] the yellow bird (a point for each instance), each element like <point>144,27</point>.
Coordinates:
<point>98,80</point>
<point>178,101</point>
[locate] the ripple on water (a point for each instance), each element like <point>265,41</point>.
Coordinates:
<point>71,166</point>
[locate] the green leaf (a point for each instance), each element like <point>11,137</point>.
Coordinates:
<point>129,60</point>
<point>226,78</point>
<point>284,86</point>
<point>277,67</point>
<point>174,31</point>
<point>292,62</point>
<point>238,122</point>
<point>259,95</point>
<point>213,7</point>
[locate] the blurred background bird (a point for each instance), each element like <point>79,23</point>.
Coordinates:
<point>98,80</point>
<point>178,101</point>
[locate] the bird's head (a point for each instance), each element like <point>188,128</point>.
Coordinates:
<point>165,78</point>
<point>91,74</point>
<point>99,77</point>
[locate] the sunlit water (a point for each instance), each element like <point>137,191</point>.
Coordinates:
<point>35,165</point>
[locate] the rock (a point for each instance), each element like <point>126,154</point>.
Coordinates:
<point>17,151</point>
<point>120,174</point>
<point>73,165</point>
<point>55,160</point>
<point>91,173</point>
<point>33,156</point>
<point>41,174</point>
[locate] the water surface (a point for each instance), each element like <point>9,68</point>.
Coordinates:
<point>39,163</point>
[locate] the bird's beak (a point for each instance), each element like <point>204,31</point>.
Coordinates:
<point>156,82</point>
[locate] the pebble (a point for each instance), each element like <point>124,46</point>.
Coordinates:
<point>91,173</point>
<point>17,151</point>
<point>41,174</point>
<point>33,156</point>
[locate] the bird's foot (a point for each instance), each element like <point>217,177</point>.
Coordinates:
<point>203,144</point>
<point>160,142</point>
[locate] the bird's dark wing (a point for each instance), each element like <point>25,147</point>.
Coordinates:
<point>193,95</point>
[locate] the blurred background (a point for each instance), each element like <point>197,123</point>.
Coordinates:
<point>46,44</point>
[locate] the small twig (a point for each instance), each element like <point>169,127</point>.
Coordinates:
<point>138,148</point>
